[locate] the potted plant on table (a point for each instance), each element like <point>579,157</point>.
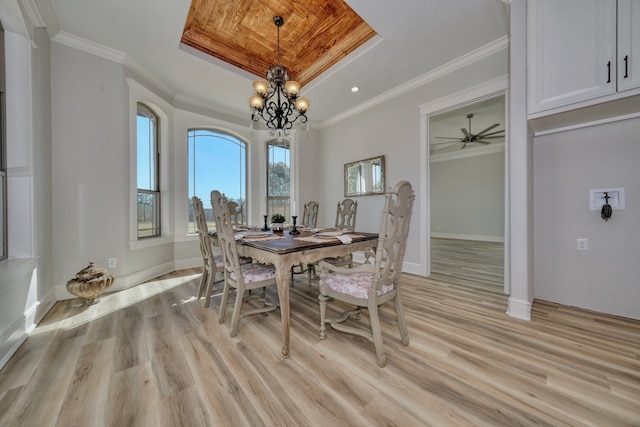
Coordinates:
<point>277,222</point>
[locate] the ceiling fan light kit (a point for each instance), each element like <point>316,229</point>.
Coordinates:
<point>276,101</point>
<point>469,137</point>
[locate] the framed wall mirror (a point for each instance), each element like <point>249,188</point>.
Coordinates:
<point>364,177</point>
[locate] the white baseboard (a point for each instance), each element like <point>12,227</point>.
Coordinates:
<point>518,308</point>
<point>188,263</point>
<point>17,333</point>
<point>480,238</point>
<point>45,304</point>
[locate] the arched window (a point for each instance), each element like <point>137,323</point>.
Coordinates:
<point>278,177</point>
<point>217,161</point>
<point>148,158</point>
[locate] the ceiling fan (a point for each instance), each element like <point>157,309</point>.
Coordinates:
<point>482,137</point>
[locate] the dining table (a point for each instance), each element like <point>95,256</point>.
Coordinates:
<point>285,249</point>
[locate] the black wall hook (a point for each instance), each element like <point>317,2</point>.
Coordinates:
<point>605,212</point>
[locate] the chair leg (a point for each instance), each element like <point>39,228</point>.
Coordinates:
<point>311,272</point>
<point>223,302</point>
<point>211,276</point>
<point>402,324</point>
<point>377,336</point>
<point>292,282</point>
<point>323,314</point>
<point>203,281</point>
<point>235,318</point>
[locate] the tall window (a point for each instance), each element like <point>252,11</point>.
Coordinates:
<point>278,177</point>
<point>217,161</point>
<point>148,173</point>
<point>4,244</point>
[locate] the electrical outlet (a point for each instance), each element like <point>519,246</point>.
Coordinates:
<point>583,244</point>
<point>113,262</point>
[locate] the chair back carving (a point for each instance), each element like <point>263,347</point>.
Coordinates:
<point>224,230</point>
<point>236,213</point>
<point>310,214</point>
<point>346,215</point>
<point>392,240</point>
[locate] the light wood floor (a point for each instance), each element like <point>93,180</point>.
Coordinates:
<point>153,356</point>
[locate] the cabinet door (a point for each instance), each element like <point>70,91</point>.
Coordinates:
<point>571,51</point>
<point>628,44</point>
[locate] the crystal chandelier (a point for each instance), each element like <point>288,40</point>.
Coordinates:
<point>276,101</point>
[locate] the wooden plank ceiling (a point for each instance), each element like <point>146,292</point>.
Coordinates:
<point>316,34</point>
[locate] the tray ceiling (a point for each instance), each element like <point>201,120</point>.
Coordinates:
<point>315,35</point>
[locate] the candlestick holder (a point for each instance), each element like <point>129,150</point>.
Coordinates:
<point>294,230</point>
<point>265,228</point>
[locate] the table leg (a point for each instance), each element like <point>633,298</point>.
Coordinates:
<point>282,281</point>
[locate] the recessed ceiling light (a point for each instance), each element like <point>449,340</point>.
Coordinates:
<point>355,89</point>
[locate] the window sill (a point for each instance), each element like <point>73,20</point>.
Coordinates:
<point>150,242</point>
<point>187,237</point>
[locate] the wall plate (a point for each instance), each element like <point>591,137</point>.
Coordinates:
<point>616,198</point>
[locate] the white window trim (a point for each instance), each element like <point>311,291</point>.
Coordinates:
<point>164,111</point>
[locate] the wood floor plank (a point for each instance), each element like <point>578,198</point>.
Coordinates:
<point>153,355</point>
<point>134,398</point>
<point>40,400</point>
<point>93,369</point>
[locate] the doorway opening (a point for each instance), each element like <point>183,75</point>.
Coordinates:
<point>466,206</point>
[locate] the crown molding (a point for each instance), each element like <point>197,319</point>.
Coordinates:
<point>89,47</point>
<point>458,63</point>
<point>33,13</point>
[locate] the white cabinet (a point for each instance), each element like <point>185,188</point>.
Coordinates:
<point>628,44</point>
<point>581,52</point>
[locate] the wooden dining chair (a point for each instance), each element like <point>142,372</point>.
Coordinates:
<point>374,283</point>
<point>236,214</point>
<point>345,220</point>
<point>310,214</point>
<point>346,215</point>
<point>310,220</point>
<point>241,277</point>
<point>211,262</point>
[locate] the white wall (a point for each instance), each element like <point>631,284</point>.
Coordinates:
<point>467,198</point>
<point>567,165</point>
<point>91,198</point>
<point>393,129</point>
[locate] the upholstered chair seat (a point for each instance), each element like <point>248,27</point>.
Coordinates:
<point>357,285</point>
<point>253,273</point>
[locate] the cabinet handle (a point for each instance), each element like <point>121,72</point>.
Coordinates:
<point>609,72</point>
<point>626,66</point>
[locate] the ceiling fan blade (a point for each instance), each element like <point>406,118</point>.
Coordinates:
<point>445,137</point>
<point>491,137</point>
<point>488,129</point>
<point>466,133</point>
<point>482,141</point>
<point>492,133</point>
